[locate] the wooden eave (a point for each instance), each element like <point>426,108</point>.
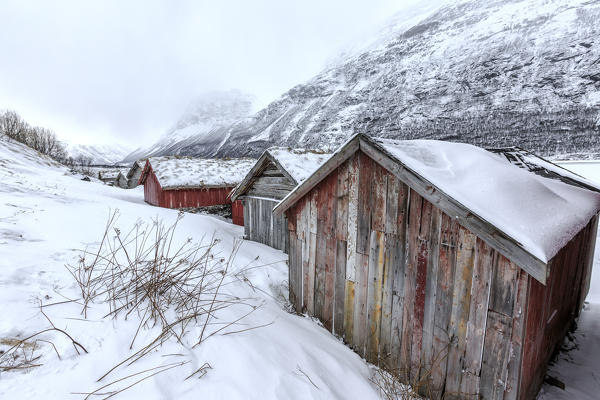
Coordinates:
<point>145,172</point>
<point>496,238</point>
<point>256,170</point>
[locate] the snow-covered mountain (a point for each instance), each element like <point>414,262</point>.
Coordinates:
<point>491,73</point>
<point>105,154</point>
<point>206,114</point>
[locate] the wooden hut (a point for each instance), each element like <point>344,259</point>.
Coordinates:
<point>442,262</point>
<point>121,181</point>
<point>275,174</point>
<point>185,182</point>
<point>134,174</point>
<point>109,176</point>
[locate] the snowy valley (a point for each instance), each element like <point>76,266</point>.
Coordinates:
<point>490,73</point>
<point>50,216</point>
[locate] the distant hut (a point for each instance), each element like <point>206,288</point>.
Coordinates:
<point>275,174</point>
<point>185,182</point>
<point>121,180</point>
<point>109,176</point>
<point>442,262</point>
<point>134,173</point>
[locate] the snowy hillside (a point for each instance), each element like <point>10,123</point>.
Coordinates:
<point>103,154</point>
<point>492,73</point>
<point>208,113</point>
<point>48,217</point>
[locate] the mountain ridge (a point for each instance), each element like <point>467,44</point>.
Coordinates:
<point>495,73</point>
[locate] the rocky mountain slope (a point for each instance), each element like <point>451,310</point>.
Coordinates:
<point>207,113</point>
<point>98,154</point>
<point>491,73</point>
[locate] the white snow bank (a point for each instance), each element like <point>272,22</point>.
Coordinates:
<point>542,214</point>
<point>299,163</point>
<point>46,215</point>
<point>188,172</point>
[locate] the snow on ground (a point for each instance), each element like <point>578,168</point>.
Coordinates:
<point>579,366</point>
<point>47,215</point>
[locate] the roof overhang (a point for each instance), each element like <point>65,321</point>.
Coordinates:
<point>257,169</point>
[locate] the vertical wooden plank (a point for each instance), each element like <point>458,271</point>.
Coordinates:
<point>351,258</point>
<point>376,261</point>
<point>391,228</point>
<point>443,304</point>
<point>320,255</point>
<point>330,251</point>
<point>340,287</point>
<point>421,283</point>
<point>410,282</point>
<point>365,203</point>
<point>341,228</point>
<point>495,356</point>
<point>397,250</point>
<point>352,218</point>
<point>305,237</point>
<point>503,287</point>
<point>341,234</point>
<point>375,295</point>
<point>461,301</point>
<point>519,317</point>
<point>312,253</point>
<point>427,356</point>
<point>362,251</point>
<point>485,260</point>
<point>360,304</point>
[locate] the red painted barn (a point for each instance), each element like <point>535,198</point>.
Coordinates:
<point>442,262</point>
<point>186,182</point>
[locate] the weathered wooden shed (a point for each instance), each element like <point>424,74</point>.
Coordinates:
<point>273,176</point>
<point>134,173</point>
<point>121,181</point>
<point>442,262</point>
<point>108,176</point>
<point>186,182</point>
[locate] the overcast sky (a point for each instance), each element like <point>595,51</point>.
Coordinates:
<point>123,71</point>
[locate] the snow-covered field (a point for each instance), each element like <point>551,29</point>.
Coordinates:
<point>47,216</point>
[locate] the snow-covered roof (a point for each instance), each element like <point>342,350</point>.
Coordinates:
<point>298,163</point>
<point>542,214</point>
<point>189,172</point>
<point>539,214</point>
<point>109,174</point>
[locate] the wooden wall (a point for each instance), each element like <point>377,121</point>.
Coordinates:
<point>270,183</point>
<point>184,198</point>
<point>266,188</point>
<point>152,190</point>
<point>553,307</point>
<point>237,213</point>
<point>406,286</point>
<point>261,225</point>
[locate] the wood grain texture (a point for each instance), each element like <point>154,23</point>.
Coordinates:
<point>486,259</point>
<point>410,282</point>
<point>461,302</point>
<point>375,295</point>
